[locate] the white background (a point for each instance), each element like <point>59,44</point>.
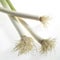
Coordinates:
<point>9,35</point>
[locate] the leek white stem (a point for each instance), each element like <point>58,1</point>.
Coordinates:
<point>14,13</point>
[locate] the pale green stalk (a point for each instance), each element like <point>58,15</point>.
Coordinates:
<point>10,5</point>
<point>4,3</point>
<point>14,13</point>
